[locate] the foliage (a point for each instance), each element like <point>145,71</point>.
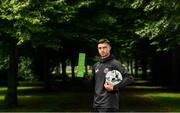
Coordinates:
<point>161,21</point>
<point>25,71</point>
<point>4,63</point>
<point>4,60</point>
<point>19,19</point>
<point>23,18</point>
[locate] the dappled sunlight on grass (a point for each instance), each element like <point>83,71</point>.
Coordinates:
<point>22,88</point>
<point>1,97</point>
<point>146,87</point>
<point>165,94</point>
<point>167,98</point>
<point>2,93</point>
<point>67,98</point>
<point>3,89</point>
<point>29,87</point>
<point>36,98</point>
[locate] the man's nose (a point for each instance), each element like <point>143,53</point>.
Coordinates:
<point>102,49</point>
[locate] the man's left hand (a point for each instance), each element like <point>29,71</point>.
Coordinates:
<point>108,86</point>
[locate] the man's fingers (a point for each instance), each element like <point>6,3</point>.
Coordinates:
<point>108,86</point>
<point>105,84</point>
<point>108,83</point>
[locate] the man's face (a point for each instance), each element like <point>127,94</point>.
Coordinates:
<point>104,50</point>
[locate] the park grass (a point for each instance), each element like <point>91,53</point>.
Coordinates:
<point>51,102</point>
<point>37,99</point>
<point>165,96</point>
<point>171,99</point>
<point>1,97</point>
<point>2,93</point>
<point>65,99</point>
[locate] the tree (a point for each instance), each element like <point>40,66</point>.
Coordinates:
<point>16,22</point>
<point>31,20</point>
<point>160,26</point>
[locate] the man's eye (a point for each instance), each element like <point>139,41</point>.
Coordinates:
<point>102,47</point>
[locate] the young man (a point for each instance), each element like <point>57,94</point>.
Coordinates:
<point>105,92</point>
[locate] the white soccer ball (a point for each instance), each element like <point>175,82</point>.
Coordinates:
<point>114,77</point>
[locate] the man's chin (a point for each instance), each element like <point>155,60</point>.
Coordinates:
<point>104,56</point>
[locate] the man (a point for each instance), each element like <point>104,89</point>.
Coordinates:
<point>106,93</point>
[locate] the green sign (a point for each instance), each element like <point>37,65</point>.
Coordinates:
<point>81,65</point>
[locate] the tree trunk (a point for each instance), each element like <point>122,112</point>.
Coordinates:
<point>174,70</point>
<point>131,67</point>
<point>175,65</point>
<point>86,70</point>
<point>46,73</point>
<point>64,75</point>
<point>136,67</point>
<point>72,68</point>
<point>144,67</point>
<point>11,95</point>
<point>128,65</point>
<point>60,69</point>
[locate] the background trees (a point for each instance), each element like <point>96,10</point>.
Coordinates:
<point>41,35</point>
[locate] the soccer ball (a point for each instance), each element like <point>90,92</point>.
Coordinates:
<point>114,77</point>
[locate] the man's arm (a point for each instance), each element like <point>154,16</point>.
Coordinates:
<point>127,78</point>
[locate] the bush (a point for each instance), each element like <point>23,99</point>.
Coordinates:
<point>25,71</point>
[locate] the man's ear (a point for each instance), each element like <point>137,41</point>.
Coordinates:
<point>110,48</point>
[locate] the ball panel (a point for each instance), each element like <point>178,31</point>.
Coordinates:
<point>114,77</point>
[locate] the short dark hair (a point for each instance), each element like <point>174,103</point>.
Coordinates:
<point>104,40</point>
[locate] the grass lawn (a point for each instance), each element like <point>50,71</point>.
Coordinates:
<point>2,92</point>
<point>135,98</point>
<point>171,99</point>
<point>37,99</point>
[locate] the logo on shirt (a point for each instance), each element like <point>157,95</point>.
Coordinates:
<point>106,70</point>
<point>96,70</point>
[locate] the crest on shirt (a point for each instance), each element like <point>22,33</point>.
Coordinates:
<point>96,70</point>
<point>106,70</point>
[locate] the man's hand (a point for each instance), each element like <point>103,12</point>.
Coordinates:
<point>108,86</point>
